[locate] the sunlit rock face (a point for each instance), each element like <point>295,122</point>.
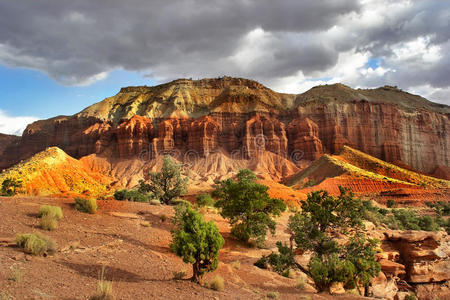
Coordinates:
<point>242,119</point>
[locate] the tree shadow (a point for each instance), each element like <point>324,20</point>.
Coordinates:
<point>111,273</point>
<point>133,241</point>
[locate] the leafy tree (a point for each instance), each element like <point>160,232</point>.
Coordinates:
<point>196,241</point>
<point>167,184</point>
<point>311,229</point>
<point>9,186</point>
<point>248,206</point>
<point>321,212</point>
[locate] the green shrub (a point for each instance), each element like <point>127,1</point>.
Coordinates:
<point>390,203</point>
<point>86,205</point>
<point>9,186</point>
<point>36,244</point>
<point>49,222</point>
<point>131,195</point>
<point>163,218</point>
<point>217,283</point>
<point>281,262</point>
<point>55,211</point>
<point>204,200</point>
<point>327,270</point>
<point>441,208</point>
<point>179,275</point>
<point>409,220</point>
<point>410,297</point>
<point>120,195</point>
<point>444,223</point>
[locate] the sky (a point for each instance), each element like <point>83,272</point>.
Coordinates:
<point>60,56</point>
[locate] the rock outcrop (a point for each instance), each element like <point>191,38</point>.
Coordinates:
<point>426,255</point>
<point>241,118</point>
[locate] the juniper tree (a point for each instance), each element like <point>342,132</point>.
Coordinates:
<point>196,241</point>
<point>167,184</point>
<point>248,206</point>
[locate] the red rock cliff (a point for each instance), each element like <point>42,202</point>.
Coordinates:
<point>242,117</point>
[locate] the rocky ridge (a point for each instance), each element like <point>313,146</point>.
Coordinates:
<point>240,120</point>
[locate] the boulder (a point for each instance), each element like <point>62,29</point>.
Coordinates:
<point>383,288</point>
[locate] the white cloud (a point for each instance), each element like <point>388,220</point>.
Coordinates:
<point>14,125</point>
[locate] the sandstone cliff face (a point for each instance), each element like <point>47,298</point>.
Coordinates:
<point>242,119</point>
<point>6,141</point>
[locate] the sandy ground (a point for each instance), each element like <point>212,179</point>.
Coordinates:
<point>136,256</point>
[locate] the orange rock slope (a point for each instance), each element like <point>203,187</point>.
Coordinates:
<point>365,174</point>
<point>53,172</point>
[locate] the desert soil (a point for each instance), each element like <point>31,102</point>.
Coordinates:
<point>132,242</point>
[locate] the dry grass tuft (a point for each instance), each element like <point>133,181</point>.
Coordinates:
<point>217,283</point>
<point>301,283</point>
<point>36,244</point>
<point>49,222</point>
<point>104,289</point>
<point>236,264</point>
<point>86,205</point>
<point>55,211</point>
<point>4,296</point>
<point>16,275</point>
<point>179,275</point>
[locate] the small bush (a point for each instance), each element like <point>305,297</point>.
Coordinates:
<point>86,205</point>
<point>390,203</point>
<point>9,186</point>
<point>179,275</point>
<point>163,218</point>
<point>217,283</point>
<point>441,208</point>
<point>409,220</point>
<point>104,289</point>
<point>273,295</point>
<point>204,200</point>
<point>281,262</point>
<point>131,195</point>
<point>36,244</point>
<point>49,222</point>
<point>55,211</point>
<point>410,297</point>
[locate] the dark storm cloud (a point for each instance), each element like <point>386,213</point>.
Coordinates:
<point>74,40</point>
<point>78,42</point>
